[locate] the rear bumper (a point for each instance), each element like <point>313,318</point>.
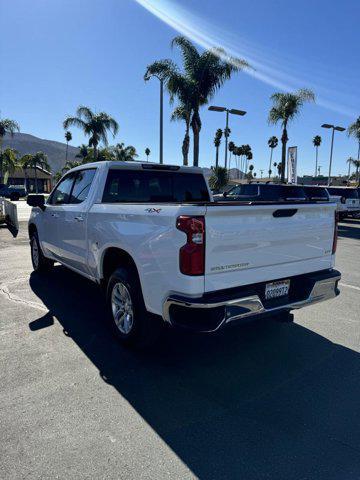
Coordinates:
<point>214,310</point>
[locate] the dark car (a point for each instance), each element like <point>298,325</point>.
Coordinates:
<point>270,192</point>
<point>13,192</point>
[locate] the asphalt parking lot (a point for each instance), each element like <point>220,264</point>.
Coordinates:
<point>261,401</point>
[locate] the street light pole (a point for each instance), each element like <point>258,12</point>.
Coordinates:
<point>161,120</point>
<point>339,129</point>
<point>147,77</point>
<point>331,154</point>
<point>233,111</point>
<point>226,136</point>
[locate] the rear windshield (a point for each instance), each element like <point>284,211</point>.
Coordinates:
<point>282,192</point>
<point>137,186</point>
<point>343,192</point>
<point>316,193</point>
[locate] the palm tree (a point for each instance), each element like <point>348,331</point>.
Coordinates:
<point>183,112</point>
<point>249,156</point>
<point>124,153</point>
<point>69,165</point>
<point>231,148</point>
<point>147,153</point>
<point>9,127</point>
<point>356,164</point>
<point>84,151</point>
<point>316,143</point>
<point>68,138</point>
<point>354,131</point>
<point>250,174</point>
<point>203,74</point>
<point>217,142</point>
<point>273,143</point>
<point>35,161</point>
<point>218,179</point>
<point>285,107</point>
<point>94,125</point>
<point>9,162</point>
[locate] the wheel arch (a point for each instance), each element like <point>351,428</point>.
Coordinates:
<point>114,257</point>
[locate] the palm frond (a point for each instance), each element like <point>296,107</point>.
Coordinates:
<point>162,69</point>
<point>86,112</point>
<point>8,126</point>
<point>74,122</point>
<point>189,53</point>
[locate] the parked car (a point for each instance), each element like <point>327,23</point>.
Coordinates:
<point>13,192</point>
<point>347,200</point>
<point>164,251</point>
<point>272,192</point>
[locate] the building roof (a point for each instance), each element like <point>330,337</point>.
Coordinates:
<point>30,173</point>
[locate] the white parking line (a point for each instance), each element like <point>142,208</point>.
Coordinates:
<point>350,286</point>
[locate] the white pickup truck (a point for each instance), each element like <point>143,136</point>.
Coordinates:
<point>167,253</point>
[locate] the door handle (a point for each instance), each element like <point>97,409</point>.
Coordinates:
<point>55,215</point>
<point>79,218</point>
<point>286,212</point>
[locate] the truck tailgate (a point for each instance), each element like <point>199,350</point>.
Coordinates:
<point>248,244</point>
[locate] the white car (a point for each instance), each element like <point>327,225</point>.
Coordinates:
<point>347,200</point>
<point>166,252</point>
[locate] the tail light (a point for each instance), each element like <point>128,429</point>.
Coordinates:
<point>335,233</point>
<point>192,254</point>
<point>343,200</point>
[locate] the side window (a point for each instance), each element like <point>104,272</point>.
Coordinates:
<point>82,185</point>
<point>62,192</point>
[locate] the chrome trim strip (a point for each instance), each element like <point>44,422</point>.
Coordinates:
<point>322,290</point>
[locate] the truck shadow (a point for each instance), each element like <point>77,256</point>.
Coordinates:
<point>265,400</point>
<point>349,230</point>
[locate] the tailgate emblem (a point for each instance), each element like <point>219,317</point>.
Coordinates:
<point>153,210</point>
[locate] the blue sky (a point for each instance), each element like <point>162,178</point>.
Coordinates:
<point>57,54</point>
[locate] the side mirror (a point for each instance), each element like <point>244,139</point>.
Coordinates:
<point>225,194</point>
<point>35,200</point>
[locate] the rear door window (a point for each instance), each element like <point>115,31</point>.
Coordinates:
<point>137,186</point>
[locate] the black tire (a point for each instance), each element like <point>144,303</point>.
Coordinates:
<point>143,327</point>
<point>39,263</point>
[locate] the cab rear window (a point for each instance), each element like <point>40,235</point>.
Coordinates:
<point>282,193</point>
<point>316,193</point>
<point>137,186</point>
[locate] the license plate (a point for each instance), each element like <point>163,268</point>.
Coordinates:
<point>277,289</point>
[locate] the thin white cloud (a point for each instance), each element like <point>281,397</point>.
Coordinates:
<point>280,72</point>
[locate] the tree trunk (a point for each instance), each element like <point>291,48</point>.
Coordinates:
<point>186,144</point>
<point>196,127</point>
<point>284,140</point>
<point>67,147</point>
<point>217,156</point>
<point>36,184</point>
<point>316,161</point>
<point>95,150</point>
<point>271,154</point>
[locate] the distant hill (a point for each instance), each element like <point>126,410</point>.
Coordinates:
<point>25,143</point>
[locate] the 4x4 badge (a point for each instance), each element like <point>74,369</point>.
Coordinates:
<point>153,210</point>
